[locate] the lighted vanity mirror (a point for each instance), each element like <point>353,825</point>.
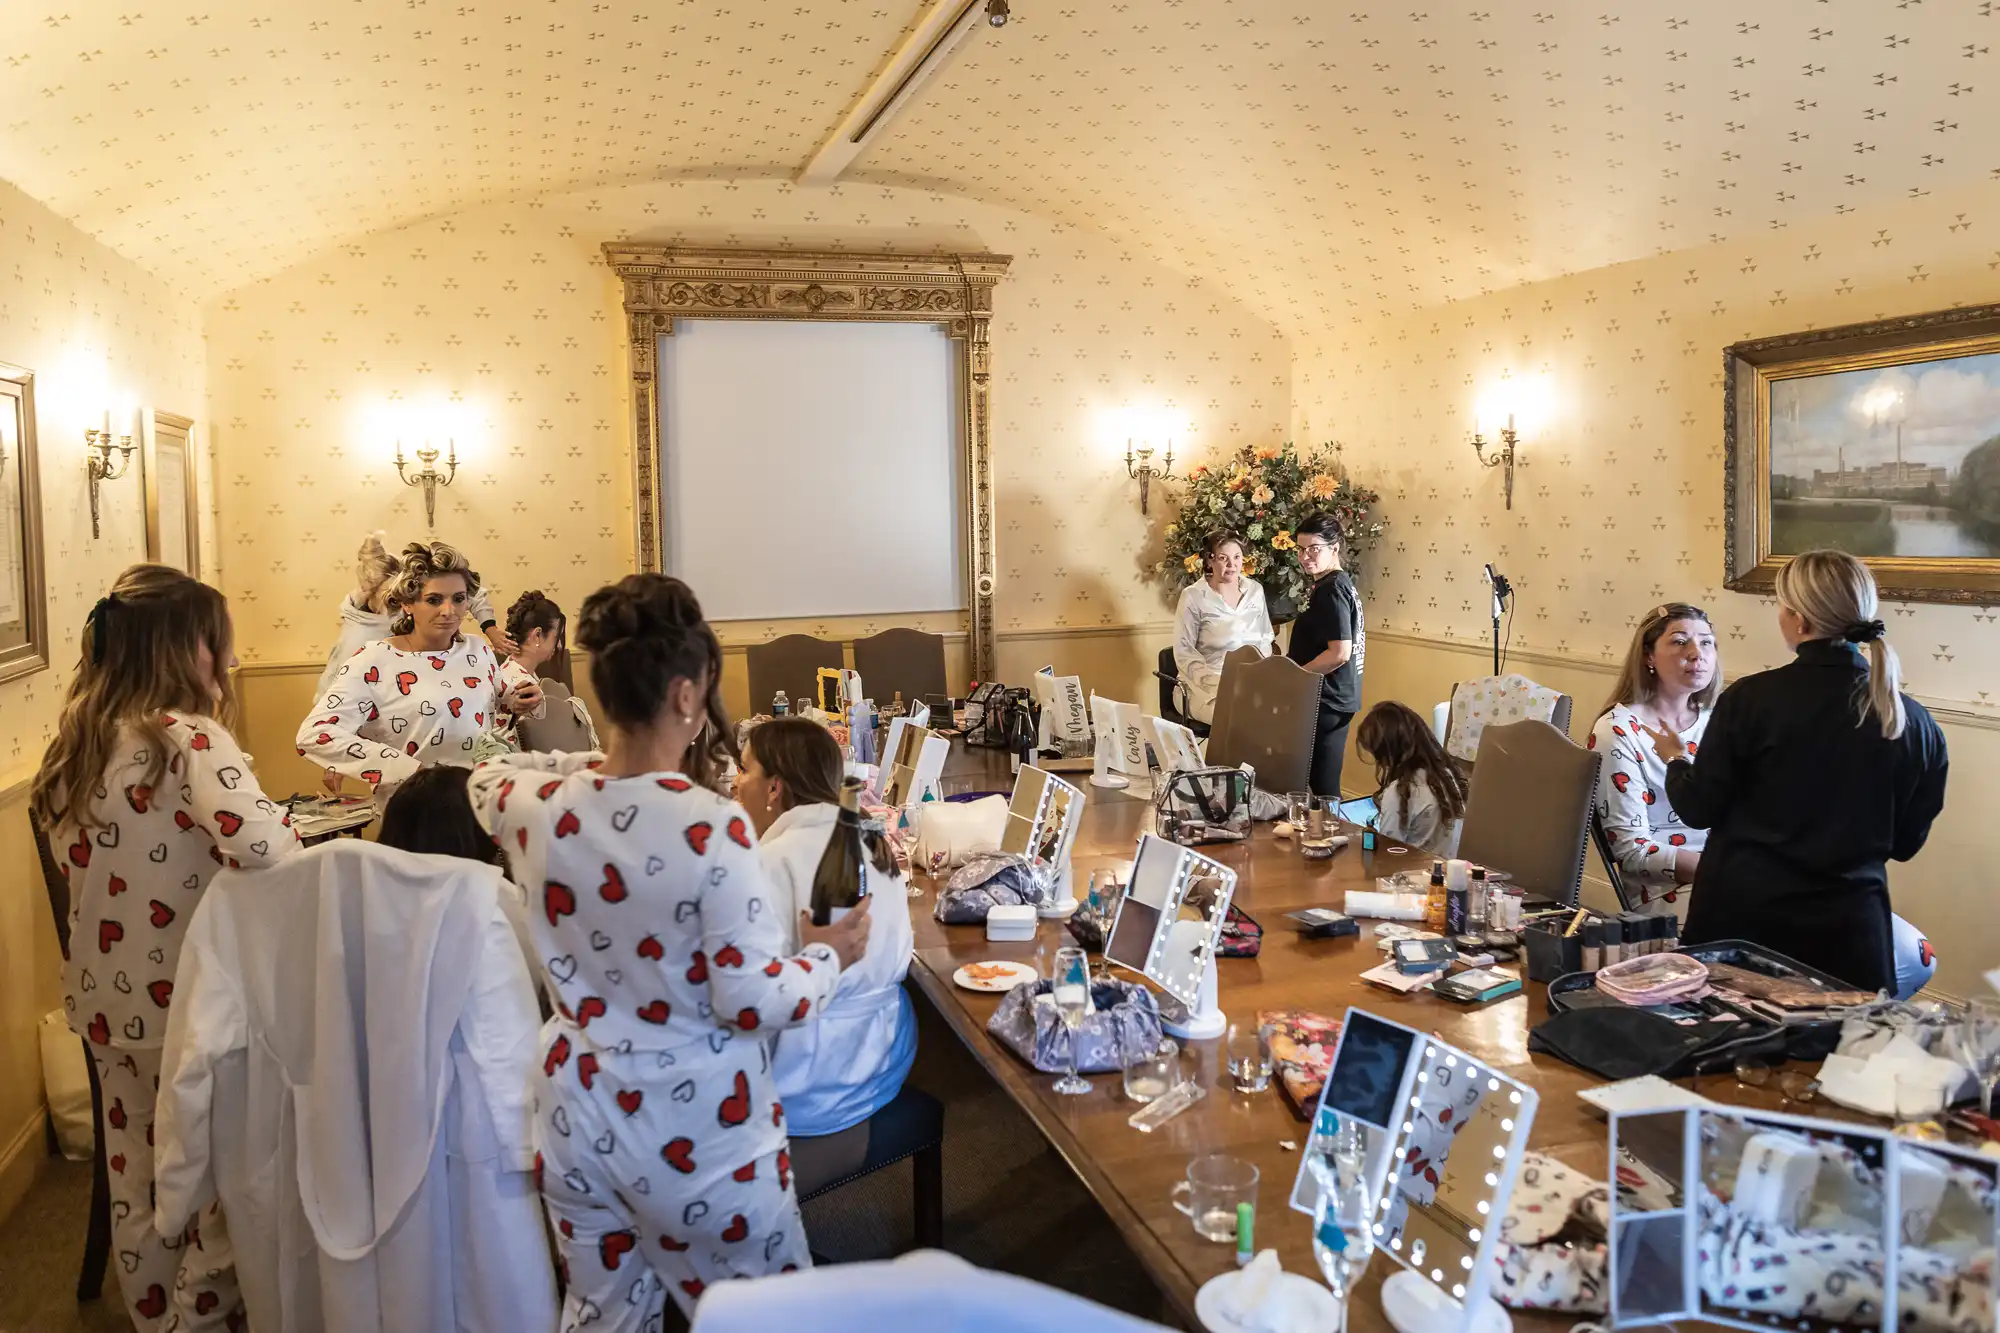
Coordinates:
<point>1444,1135</point>
<point>1042,817</point>
<point>914,764</point>
<point>1170,919</point>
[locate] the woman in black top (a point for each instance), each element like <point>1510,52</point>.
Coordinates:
<point>1329,640</point>
<point>1810,778</point>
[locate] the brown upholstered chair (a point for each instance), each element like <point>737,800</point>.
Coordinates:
<point>562,728</point>
<point>1528,812</point>
<point>1266,716</point>
<point>792,664</point>
<point>900,661</point>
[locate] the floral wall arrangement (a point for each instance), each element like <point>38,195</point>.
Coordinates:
<point>1260,494</point>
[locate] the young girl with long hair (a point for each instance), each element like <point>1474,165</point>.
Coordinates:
<point>144,795</point>
<point>540,632</point>
<point>1421,800</point>
<point>661,1135</point>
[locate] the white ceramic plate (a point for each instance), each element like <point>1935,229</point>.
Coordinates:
<point>1318,1311</point>
<point>1016,974</point>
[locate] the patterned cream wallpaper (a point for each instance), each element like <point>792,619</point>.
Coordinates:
<point>1323,161</point>
<point>99,333</point>
<point>506,321</point>
<point>1619,503</point>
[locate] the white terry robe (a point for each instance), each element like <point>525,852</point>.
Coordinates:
<point>1207,629</point>
<point>348,1066</point>
<point>848,1063</point>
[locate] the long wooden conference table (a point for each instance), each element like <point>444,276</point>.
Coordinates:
<point>1130,1173</point>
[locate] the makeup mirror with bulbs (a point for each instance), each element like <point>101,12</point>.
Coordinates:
<point>1760,1220</point>
<point>913,762</point>
<point>1042,817</point>
<point>1170,920</point>
<point>1444,1135</point>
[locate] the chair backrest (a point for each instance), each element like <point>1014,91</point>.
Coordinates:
<point>57,886</point>
<point>1528,812</point>
<point>905,661</point>
<point>1602,841</point>
<point>558,730</point>
<point>1493,700</point>
<point>1266,716</point>
<point>792,664</point>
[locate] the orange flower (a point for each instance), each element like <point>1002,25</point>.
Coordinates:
<point>1268,452</point>
<point>1261,496</point>
<point>1322,486</point>
<point>1201,470</point>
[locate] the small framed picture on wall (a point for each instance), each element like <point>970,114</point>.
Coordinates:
<point>24,620</point>
<point>173,515</point>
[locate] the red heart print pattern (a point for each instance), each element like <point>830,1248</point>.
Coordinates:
<point>373,675</point>
<point>747,1019</point>
<point>588,1008</point>
<point>116,1115</point>
<point>784,1169</point>
<point>777,1113</point>
<point>612,890</point>
<point>163,915</point>
<point>694,1287</point>
<point>205,1302</point>
<point>183,820</point>
<point>613,1246</point>
<point>372,776</point>
<point>471,682</point>
<point>117,1163</point>
<point>99,1031</point>
<point>799,1012</point>
<point>630,1099</point>
<point>698,970</point>
<point>108,934</point>
<point>557,1057</point>
<point>79,855</point>
<point>229,822</point>
<point>735,1108</point>
<point>656,1012</point>
<point>455,704</point>
<point>586,1070</point>
<point>1648,798</point>
<point>548,789</point>
<point>729,956</point>
<point>521,836</point>
<point>1677,840</point>
<point>154,1303</point>
<point>140,798</point>
<point>679,1154</point>
<point>558,900</point>
<point>568,825</point>
<point>737,1229</point>
<point>1621,780</point>
<point>650,947</point>
<point>116,886</point>
<point>774,967</point>
<point>405,679</point>
<point>506,790</point>
<point>676,784</point>
<point>199,741</point>
<point>698,836</point>
<point>161,991</point>
<point>672,1246</point>
<point>744,1174</point>
<point>739,832</point>
<point>803,964</point>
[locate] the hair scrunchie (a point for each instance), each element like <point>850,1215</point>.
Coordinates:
<point>100,622</point>
<point>1866,631</point>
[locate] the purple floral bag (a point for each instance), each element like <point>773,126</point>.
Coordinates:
<point>1124,1024</point>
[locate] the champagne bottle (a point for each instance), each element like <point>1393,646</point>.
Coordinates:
<point>841,879</point>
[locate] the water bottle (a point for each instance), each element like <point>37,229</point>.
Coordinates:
<point>780,705</point>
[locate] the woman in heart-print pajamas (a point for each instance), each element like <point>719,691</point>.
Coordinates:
<point>145,795</point>
<point>663,1150</point>
<point>426,695</point>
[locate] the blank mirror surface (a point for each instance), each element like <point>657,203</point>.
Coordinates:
<point>1171,916</point>
<point>1649,1159</point>
<point>1364,1085</point>
<point>1793,1229</point>
<point>1030,789</point>
<point>1945,1281</point>
<point>1648,1272</point>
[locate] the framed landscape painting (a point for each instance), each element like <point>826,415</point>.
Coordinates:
<point>1882,440</point>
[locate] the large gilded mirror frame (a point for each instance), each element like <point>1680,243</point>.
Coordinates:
<point>665,283</point>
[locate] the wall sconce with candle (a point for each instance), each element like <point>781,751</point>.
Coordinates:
<point>98,446</point>
<point>429,478</point>
<point>1139,466</point>
<point>1503,455</point>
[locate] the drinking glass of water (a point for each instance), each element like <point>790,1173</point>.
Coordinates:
<point>1249,1050</point>
<point>1152,1073</point>
<point>1072,996</point>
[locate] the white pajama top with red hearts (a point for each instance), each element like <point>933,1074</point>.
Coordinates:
<point>135,880</point>
<point>1645,832</point>
<point>389,713</point>
<point>651,914</point>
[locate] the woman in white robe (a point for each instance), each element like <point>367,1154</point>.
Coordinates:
<point>1217,615</point>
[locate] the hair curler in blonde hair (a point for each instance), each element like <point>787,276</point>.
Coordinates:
<point>374,567</point>
<point>1835,595</point>
<point>422,562</point>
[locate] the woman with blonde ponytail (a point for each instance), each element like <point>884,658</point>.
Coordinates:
<point>1811,778</point>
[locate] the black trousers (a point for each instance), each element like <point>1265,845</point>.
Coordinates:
<point>1330,752</point>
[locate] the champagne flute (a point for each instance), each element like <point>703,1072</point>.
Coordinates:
<point>1979,1046</point>
<point>1341,1242</point>
<point>1072,996</point>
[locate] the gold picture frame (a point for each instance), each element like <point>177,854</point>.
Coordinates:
<point>665,283</point>
<point>173,507</point>
<point>24,608</point>
<point>1882,439</point>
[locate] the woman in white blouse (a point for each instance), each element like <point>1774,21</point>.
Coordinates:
<point>1671,679</point>
<point>1217,614</point>
<point>425,695</point>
